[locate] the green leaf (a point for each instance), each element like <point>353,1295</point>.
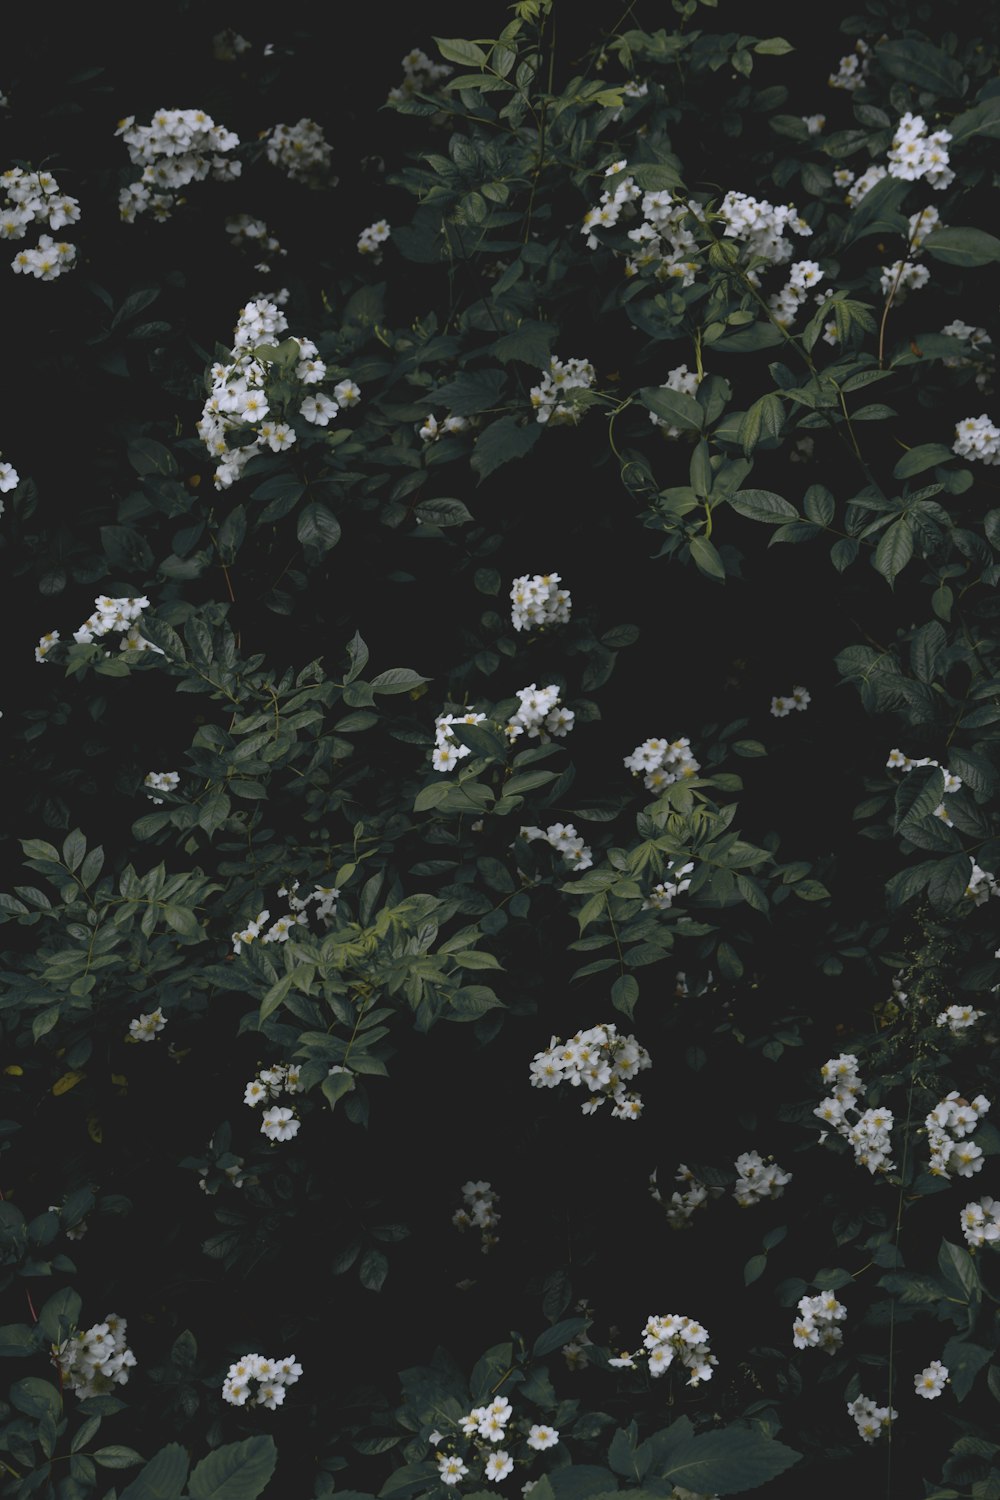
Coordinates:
<point>442,512</point>
<point>925,456</point>
<point>963,1362</point>
<point>116,1456</point>
<point>625,993</point>
<point>336,1085</point>
<point>754,1269</point>
<point>819,505</point>
<point>948,881</point>
<point>237,1471</point>
<point>502,442</point>
<point>895,548</point>
<point>457,50</point>
<point>674,407</point>
<point>397,680</point>
<point>764,420</point>
<point>706,557</point>
<point>317,529</point>
<point>762,505</point>
<point>373,1270</point>
<point>149,457</point>
<point>962,247</point>
<point>557,1336</point>
<point>162,1478</point>
<point>773,46</point>
<point>922,64</point>
<point>727,1462</point>
<point>917,795</point>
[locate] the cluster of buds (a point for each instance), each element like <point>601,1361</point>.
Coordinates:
<point>479,1211</point>
<point>600,1061</point>
<point>670,1338</point>
<point>420,75</point>
<point>93,1362</point>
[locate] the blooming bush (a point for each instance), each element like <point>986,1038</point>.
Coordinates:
<point>666,306</point>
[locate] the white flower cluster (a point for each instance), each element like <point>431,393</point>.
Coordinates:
<point>145,1028</point>
<point>797,699</point>
<point>541,715</point>
<point>757,1179</point>
<point>761,226</point>
<point>859,186</point>
<point>538,601</point>
<point>802,276</point>
<point>905,276</point>
<point>479,1211</point>
<point>914,154</point>
<point>431,429</point>
<point>853,69</point>
<point>816,1325</point>
<point>35,198</point>
<point>982,884</point>
<point>177,147</point>
<point>981,1222</point>
<point>976,437</point>
<point>980,352</point>
<point>601,1061</point>
<point>121,615</point>
<point>237,399</point>
<point>249,233</point>
<point>487,1425</point>
<point>302,151</point>
<point>871,1419</point>
<point>325,897</point>
<point>272,1377</point>
<point>371,240</point>
<point>869,1135</point>
<point>958,1018</point>
<point>9,480</point>
<point>553,399</point>
<point>278,1122</point>
<point>564,839</point>
<point>947,1126</point>
<point>447,751</point>
<point>91,1363</point>
<point>897,761</point>
<point>420,75</point>
<point>686,382</point>
<point>160,781</point>
<point>686,1202</point>
<point>668,1338</point>
<point>663,240</point>
<point>662,762</point>
<point>932,1381</point>
<point>228,45</point>
<point>662,895</point>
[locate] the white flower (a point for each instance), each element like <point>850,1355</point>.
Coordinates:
<point>541,1437</point>
<point>278,1124</point>
<point>145,1028</point>
<point>498,1466</point>
<point>931,1381</point>
<point>451,1469</point>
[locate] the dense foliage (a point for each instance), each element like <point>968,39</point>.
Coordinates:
<point>347,860</point>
